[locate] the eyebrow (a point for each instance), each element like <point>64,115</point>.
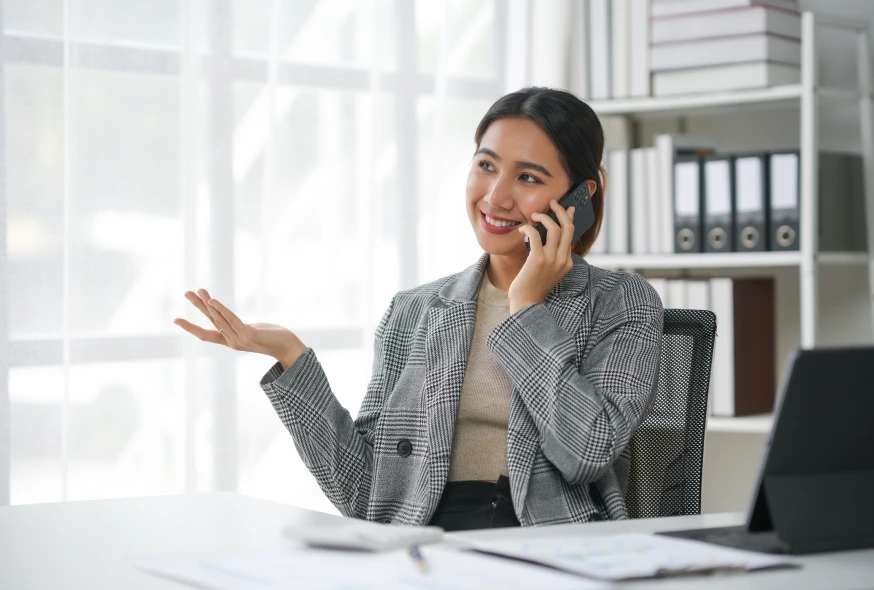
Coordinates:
<point>531,165</point>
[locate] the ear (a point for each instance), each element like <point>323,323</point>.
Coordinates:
<point>593,186</point>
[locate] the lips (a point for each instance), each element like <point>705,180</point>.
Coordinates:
<point>496,229</point>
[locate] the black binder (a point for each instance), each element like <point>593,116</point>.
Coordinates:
<point>841,220</point>
<point>784,178</point>
<point>751,202</point>
<point>687,205</point>
<point>718,203</point>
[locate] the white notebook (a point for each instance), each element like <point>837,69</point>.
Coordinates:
<point>363,535</point>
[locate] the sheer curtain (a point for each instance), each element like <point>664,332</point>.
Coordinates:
<point>301,159</point>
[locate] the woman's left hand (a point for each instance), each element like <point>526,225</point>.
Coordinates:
<point>546,264</point>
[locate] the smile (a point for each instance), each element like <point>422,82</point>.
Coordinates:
<point>500,223</point>
<point>495,226</point>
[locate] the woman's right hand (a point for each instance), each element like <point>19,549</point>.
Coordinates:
<point>270,339</point>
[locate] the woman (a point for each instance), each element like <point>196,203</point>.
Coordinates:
<point>502,395</point>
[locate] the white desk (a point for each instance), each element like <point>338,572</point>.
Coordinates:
<point>89,544</point>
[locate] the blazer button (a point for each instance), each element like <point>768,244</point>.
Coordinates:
<point>404,447</point>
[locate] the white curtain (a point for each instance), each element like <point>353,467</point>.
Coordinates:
<point>301,159</point>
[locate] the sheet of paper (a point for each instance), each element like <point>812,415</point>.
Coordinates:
<point>335,570</point>
<point>633,555</point>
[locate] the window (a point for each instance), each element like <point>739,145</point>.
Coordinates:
<point>302,159</point>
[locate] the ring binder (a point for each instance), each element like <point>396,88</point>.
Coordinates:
<point>784,182</point>
<point>718,203</point>
<point>687,205</point>
<point>751,201</point>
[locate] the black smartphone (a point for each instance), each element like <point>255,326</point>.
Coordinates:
<point>584,214</point>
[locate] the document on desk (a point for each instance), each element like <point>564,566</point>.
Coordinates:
<point>632,556</point>
<point>353,570</point>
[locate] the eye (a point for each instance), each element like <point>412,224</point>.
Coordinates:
<point>529,179</point>
<point>487,166</point>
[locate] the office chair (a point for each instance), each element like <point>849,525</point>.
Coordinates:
<point>667,450</point>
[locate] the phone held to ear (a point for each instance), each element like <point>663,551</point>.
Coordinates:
<point>584,214</point>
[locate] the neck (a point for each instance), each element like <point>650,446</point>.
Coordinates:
<point>502,270</point>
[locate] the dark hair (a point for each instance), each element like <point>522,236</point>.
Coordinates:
<point>575,130</point>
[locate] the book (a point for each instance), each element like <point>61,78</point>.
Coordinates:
<point>639,200</point>
<point>676,294</point>
<point>638,51</point>
<point>579,74</point>
<point>742,374</point>
<point>726,23</point>
<point>677,7</point>
<point>600,49</point>
<point>657,204</point>
<point>621,36</point>
<point>616,202</point>
<point>725,50</point>
<point>724,78</point>
<point>697,293</point>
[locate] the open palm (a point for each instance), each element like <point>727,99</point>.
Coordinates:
<point>270,339</point>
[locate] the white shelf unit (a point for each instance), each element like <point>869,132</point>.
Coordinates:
<point>807,97</point>
<point>718,261</point>
<point>743,425</point>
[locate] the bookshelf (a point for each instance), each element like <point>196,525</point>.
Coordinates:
<point>715,103</point>
<point>808,97</point>
<point>738,260</point>
<point>743,425</point>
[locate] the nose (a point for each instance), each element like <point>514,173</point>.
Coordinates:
<point>500,195</point>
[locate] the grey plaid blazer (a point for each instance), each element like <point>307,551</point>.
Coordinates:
<point>583,366</point>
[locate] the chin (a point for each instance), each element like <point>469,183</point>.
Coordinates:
<point>501,245</point>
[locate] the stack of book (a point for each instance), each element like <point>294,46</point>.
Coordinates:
<point>703,46</point>
<point>742,376</point>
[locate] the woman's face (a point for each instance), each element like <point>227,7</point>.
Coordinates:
<point>515,172</point>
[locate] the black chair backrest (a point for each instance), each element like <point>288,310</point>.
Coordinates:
<point>667,450</point>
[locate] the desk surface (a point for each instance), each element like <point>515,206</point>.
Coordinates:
<point>89,544</point>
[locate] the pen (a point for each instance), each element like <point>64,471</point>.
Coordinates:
<point>416,556</point>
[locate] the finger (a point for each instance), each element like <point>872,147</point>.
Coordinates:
<point>204,295</point>
<point>563,215</point>
<point>224,327</point>
<point>230,317</point>
<point>205,335</point>
<point>567,230</point>
<point>195,300</point>
<point>553,231</point>
<point>533,239</point>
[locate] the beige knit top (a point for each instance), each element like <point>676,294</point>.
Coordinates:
<point>479,446</point>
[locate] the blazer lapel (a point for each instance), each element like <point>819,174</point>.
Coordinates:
<point>567,303</point>
<point>447,345</point>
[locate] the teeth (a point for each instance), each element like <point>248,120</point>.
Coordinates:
<point>498,223</point>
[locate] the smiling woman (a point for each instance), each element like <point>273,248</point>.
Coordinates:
<point>505,394</point>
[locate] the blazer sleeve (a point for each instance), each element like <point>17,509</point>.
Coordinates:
<point>585,417</point>
<point>336,449</point>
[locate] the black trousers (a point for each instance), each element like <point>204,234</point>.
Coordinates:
<point>467,505</point>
